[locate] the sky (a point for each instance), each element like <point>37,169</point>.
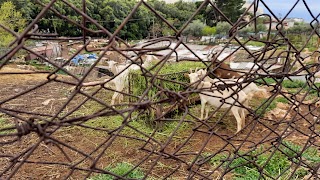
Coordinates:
<point>282,7</point>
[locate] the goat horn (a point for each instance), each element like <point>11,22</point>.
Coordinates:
<point>190,70</point>
<point>196,69</point>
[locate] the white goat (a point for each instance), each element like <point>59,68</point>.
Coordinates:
<point>149,60</point>
<point>121,72</point>
<point>213,97</point>
<point>250,89</point>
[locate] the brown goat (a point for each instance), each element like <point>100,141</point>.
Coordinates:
<point>223,71</point>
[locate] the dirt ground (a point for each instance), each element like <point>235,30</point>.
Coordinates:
<point>80,148</point>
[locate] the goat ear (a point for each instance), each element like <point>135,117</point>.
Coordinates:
<point>196,69</point>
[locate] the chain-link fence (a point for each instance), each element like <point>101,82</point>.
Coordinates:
<point>149,119</point>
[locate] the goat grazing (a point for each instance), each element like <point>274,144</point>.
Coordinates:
<point>250,89</point>
<point>213,97</point>
<point>121,72</point>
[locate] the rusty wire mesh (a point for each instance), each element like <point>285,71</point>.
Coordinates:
<point>76,135</point>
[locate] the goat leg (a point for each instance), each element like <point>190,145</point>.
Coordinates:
<point>235,112</point>
<point>207,111</point>
<point>203,104</point>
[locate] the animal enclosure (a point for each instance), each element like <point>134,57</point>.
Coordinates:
<point>59,125</point>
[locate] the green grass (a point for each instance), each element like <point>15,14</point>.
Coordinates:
<point>313,89</point>
<point>285,83</point>
<point>254,43</point>
<point>278,164</point>
<point>114,122</point>
<point>311,155</point>
<point>39,65</point>
<point>293,84</point>
<point>143,123</point>
<point>269,105</point>
<point>265,81</point>
<point>5,124</point>
<point>120,169</point>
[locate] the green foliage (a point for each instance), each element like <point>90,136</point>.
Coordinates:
<point>223,28</point>
<point>261,27</point>
<point>120,169</point>
<point>245,166</point>
<point>111,13</point>
<point>140,84</point>
<point>166,30</point>
<point>207,31</point>
<point>194,28</point>
<point>12,19</point>
<point>298,28</point>
<point>232,9</point>
<point>244,31</point>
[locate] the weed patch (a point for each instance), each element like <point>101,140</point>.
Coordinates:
<point>279,165</point>
<point>121,169</point>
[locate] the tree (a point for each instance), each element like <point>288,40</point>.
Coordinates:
<point>223,28</point>
<point>12,19</point>
<point>207,30</point>
<point>261,28</point>
<point>232,9</point>
<point>194,28</point>
<point>166,30</point>
<point>110,14</point>
<point>298,28</point>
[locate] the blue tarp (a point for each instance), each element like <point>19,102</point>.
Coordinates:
<point>92,56</point>
<point>77,59</point>
<point>82,58</point>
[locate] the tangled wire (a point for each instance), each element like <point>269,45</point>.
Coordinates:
<point>153,128</point>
